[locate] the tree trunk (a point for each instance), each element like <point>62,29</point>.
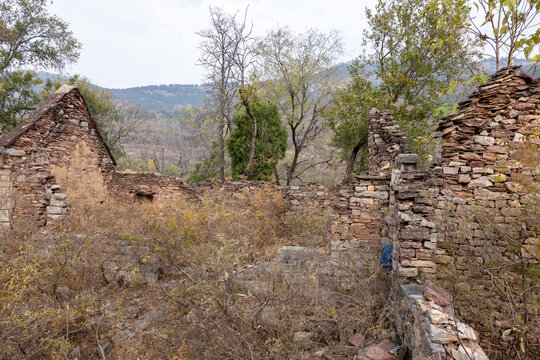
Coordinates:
<point>363,158</point>
<point>292,169</point>
<point>221,149</point>
<point>247,170</point>
<point>276,174</point>
<point>350,163</point>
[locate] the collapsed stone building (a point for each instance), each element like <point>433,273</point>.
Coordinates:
<point>57,154</point>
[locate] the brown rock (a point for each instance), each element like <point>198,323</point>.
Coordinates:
<point>436,294</point>
<point>470,156</point>
<point>497,149</point>
<point>415,233</point>
<point>379,351</point>
<point>357,339</point>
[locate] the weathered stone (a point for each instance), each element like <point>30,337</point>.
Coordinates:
<point>519,138</point>
<point>468,351</point>
<point>63,293</point>
<point>56,210</point>
<point>59,196</point>
<point>464,178</point>
<point>437,316</point>
<point>58,203</point>
<point>513,187</point>
<point>443,259</point>
<point>15,152</point>
<point>423,263</point>
<point>407,159</point>
<point>465,332</point>
<point>415,233</point>
<point>407,271</point>
<point>480,182</point>
<point>450,170</point>
<point>441,336</point>
<point>437,294</point>
<point>382,195</point>
<point>484,140</point>
<point>357,339</point>
<point>430,245</point>
<point>379,351</point>
<point>302,336</point>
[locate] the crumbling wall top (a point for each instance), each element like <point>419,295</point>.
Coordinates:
<point>386,141</point>
<point>52,102</point>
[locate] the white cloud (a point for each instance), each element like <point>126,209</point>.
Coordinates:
<point>139,42</point>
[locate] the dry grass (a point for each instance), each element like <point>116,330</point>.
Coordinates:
<point>179,282</point>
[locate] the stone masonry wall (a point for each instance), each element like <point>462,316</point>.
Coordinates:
<point>358,209</point>
<point>149,187</point>
<point>430,329</point>
<point>385,141</point>
<point>411,223</point>
<point>56,150</point>
<point>60,155</point>
<point>6,198</point>
<point>480,190</point>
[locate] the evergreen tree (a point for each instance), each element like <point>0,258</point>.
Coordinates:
<point>270,145</point>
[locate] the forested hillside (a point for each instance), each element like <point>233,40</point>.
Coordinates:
<point>162,97</point>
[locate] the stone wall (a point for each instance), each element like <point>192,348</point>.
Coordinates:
<point>358,209</point>
<point>482,208</point>
<point>149,187</point>
<point>385,141</point>
<point>6,197</point>
<point>435,216</point>
<point>430,328</point>
<point>56,149</point>
<point>411,223</point>
<point>26,192</point>
<point>476,168</point>
<point>57,155</point>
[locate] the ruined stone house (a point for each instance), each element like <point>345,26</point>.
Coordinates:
<point>57,155</point>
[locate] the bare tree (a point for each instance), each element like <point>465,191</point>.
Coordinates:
<point>245,59</point>
<point>122,124</point>
<point>297,76</point>
<point>224,55</point>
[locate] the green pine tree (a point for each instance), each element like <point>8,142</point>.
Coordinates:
<point>271,141</point>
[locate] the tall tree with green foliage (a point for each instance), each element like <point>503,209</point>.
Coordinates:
<point>29,37</point>
<point>224,48</point>
<point>348,118</point>
<point>270,145</point>
<point>296,74</point>
<point>506,27</point>
<point>418,48</point>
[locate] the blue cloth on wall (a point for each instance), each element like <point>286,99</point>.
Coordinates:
<point>386,258</point>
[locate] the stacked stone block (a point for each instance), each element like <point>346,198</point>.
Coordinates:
<point>431,329</point>
<point>412,224</point>
<point>43,146</point>
<point>477,173</point>
<point>157,188</point>
<point>385,141</point>
<point>358,209</point>
<point>6,197</point>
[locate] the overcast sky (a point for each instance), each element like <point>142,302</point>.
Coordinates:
<point>144,42</point>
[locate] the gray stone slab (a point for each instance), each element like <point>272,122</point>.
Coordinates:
<point>407,159</point>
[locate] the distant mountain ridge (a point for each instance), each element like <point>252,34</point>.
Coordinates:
<point>164,98</point>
